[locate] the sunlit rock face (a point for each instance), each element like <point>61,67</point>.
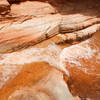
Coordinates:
<point>83,64</point>
<point>42,49</point>
<point>47,66</point>
<point>35,81</point>
<point>46,18</point>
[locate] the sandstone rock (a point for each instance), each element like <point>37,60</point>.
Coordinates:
<point>35,81</point>
<point>82,61</point>
<point>32,9</point>
<point>82,70</point>
<point>38,69</point>
<point>28,32</point>
<point>4,7</point>
<point>44,89</point>
<point>76,22</point>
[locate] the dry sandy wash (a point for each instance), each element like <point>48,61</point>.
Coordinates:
<point>49,50</point>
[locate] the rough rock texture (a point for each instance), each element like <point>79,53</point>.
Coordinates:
<point>38,72</point>
<point>75,20</point>
<point>82,62</point>
<point>35,30</point>
<point>4,7</point>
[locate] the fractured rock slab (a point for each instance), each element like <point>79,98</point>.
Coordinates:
<point>28,32</point>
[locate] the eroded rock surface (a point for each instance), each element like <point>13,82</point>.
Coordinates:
<point>74,20</point>
<point>38,72</point>
<point>4,7</point>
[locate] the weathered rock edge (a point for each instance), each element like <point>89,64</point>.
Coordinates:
<point>30,22</point>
